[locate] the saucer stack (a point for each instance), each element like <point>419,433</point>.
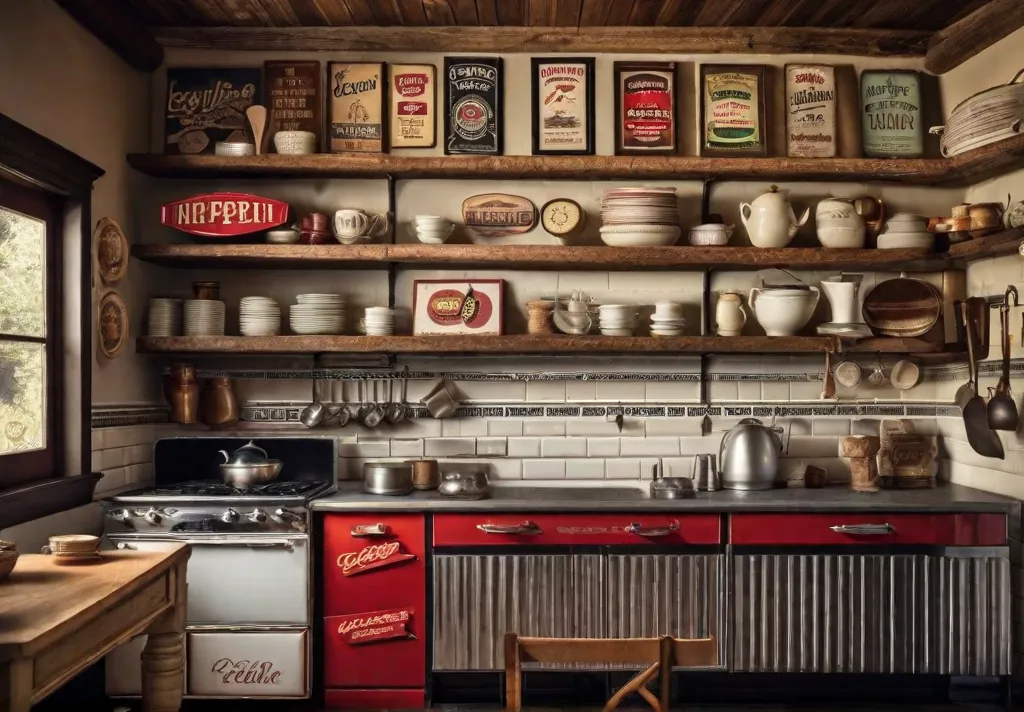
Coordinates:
<point>164,317</point>
<point>618,319</point>
<point>259,316</point>
<point>379,321</point>
<point>635,217</point>
<point>204,317</point>
<point>317,314</point>
<point>73,548</point>
<point>667,319</point>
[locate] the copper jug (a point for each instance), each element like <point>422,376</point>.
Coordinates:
<point>182,393</point>
<point>872,210</point>
<point>218,406</point>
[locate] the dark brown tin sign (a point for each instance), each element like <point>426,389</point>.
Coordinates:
<point>205,106</point>
<point>294,98</point>
<point>645,107</point>
<point>473,105</point>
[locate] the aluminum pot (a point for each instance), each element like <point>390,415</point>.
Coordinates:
<point>392,478</point>
<point>245,476</point>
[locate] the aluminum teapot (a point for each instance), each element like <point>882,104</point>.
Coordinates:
<point>248,454</point>
<point>749,456</point>
<point>770,220</point>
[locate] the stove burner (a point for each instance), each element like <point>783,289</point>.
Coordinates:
<point>211,488</point>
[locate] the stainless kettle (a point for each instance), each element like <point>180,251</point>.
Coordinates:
<point>749,456</point>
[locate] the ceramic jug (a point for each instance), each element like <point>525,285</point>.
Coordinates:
<point>770,220</point>
<point>729,314</point>
<point>843,294</point>
<point>838,224</point>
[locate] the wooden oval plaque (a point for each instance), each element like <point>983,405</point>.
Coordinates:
<point>498,214</point>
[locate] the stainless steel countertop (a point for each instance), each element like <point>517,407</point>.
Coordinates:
<point>522,497</point>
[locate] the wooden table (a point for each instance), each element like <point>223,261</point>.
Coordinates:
<point>56,620</point>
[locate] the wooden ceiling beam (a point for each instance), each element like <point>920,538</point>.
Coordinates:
<point>614,40</point>
<point>122,30</point>
<point>952,46</point>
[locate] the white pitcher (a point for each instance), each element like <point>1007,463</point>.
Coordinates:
<point>770,220</point>
<point>729,314</point>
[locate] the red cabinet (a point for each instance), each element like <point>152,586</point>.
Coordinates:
<point>885,529</point>
<point>375,601</point>
<point>374,699</point>
<point>575,529</point>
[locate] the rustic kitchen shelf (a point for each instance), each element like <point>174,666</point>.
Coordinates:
<point>520,344</point>
<point>970,167</point>
<point>558,257</point>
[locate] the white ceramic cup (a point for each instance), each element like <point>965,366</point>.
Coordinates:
<point>672,310</point>
<point>351,224</point>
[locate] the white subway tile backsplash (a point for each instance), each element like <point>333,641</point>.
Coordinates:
<point>543,426</point>
<point>699,445</point>
<point>603,447</point>
<point>491,447</point>
<point>112,458</point>
<point>802,446</point>
<point>472,427</point>
<point>672,391</point>
<point>865,426</point>
<point>543,469</point>
<point>492,391</point>
<point>805,391</point>
<point>450,447</point>
<point>505,428</point>
<point>622,469</point>
<point>506,468</point>
<point>563,447</point>
<point>830,426</point>
<point>775,391</point>
<point>367,449</point>
<point>723,391</point>
<point>113,479</point>
<point>141,473</point>
<point>631,427</point>
<point>646,447</point>
<point>524,447</point>
<point>748,391</point>
<point>677,467</point>
<point>545,391</point>
<point>672,426</point>
<point>584,469</point>
<point>621,391</point>
<point>580,391</point>
<point>139,453</point>
<point>451,428</point>
<point>407,447</point>
<point>799,426</point>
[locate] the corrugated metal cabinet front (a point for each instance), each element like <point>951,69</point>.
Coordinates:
<point>911,613</point>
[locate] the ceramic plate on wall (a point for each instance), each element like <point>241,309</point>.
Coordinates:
<point>113,324</point>
<point>111,250</point>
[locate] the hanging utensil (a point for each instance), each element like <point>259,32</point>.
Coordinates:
<point>877,377</point>
<point>364,408</point>
<point>397,412</point>
<point>970,389</point>
<point>1002,411</point>
<point>314,413</point>
<point>829,390</point>
<point>340,413</point>
<point>377,410</point>
<point>982,439</point>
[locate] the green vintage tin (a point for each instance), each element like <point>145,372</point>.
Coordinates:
<point>890,113</point>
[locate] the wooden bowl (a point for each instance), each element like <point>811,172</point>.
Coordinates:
<point>8,558</point>
<point>902,307</point>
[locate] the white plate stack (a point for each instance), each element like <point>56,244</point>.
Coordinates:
<point>165,317</point>
<point>988,116</point>
<point>667,319</point>
<point>317,314</point>
<point>618,319</point>
<point>379,321</point>
<point>636,217</point>
<point>204,317</point>
<point>259,316</point>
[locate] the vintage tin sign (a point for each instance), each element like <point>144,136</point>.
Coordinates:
<point>498,214</point>
<point>810,111</point>
<point>890,118</point>
<point>224,214</point>
<point>470,306</point>
<point>374,556</point>
<point>205,106</point>
<point>294,98</point>
<point>645,107</point>
<point>357,106</point>
<point>377,625</point>
<point>732,110</point>
<point>473,105</point>
<point>413,120</point>
<point>563,105</point>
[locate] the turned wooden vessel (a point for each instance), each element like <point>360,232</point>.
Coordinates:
<point>860,450</point>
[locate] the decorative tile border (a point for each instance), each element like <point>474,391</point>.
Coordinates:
<point>125,417</point>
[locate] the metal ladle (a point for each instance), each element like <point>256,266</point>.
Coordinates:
<point>1002,411</point>
<point>313,414</point>
<point>364,408</point>
<point>397,412</point>
<point>376,415</point>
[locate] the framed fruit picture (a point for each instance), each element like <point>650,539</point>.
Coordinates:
<point>732,110</point>
<point>467,306</point>
<point>357,115</point>
<point>563,105</point>
<point>413,119</point>
<point>645,108</point>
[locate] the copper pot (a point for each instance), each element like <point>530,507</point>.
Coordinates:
<point>872,210</point>
<point>206,290</point>
<point>985,215</point>
<point>218,405</point>
<point>182,393</point>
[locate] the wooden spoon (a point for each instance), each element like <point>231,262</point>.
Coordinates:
<point>257,116</point>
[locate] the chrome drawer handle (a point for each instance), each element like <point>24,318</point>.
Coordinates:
<point>367,530</point>
<point>527,527</point>
<point>641,530</point>
<point>864,529</point>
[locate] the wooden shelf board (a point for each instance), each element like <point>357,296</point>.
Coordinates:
<point>516,344</point>
<point>541,257</point>
<point>964,169</point>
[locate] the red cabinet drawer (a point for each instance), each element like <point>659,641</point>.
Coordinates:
<point>376,649</point>
<point>575,529</point>
<point>374,699</point>
<point>933,529</point>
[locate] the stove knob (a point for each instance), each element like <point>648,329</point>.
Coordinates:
<point>230,516</point>
<point>153,516</point>
<point>257,516</point>
<point>286,515</point>
<point>122,515</point>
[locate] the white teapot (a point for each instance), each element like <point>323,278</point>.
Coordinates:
<point>770,220</point>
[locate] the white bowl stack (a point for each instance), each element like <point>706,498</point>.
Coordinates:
<point>432,229</point>
<point>259,316</point>
<point>204,317</point>
<point>618,319</point>
<point>165,317</point>
<point>379,321</point>
<point>317,314</point>
<point>640,217</point>
<point>667,319</point>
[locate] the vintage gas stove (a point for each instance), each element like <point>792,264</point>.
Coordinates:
<point>249,577</point>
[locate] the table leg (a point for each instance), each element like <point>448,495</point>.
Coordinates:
<point>16,686</point>
<point>163,659</point>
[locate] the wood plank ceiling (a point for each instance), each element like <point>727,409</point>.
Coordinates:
<point>929,15</point>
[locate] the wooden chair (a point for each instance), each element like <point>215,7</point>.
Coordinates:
<point>659,654</point>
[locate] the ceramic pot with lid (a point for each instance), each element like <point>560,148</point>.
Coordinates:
<point>838,224</point>
<point>770,220</point>
<point>782,310</point>
<point>749,456</point>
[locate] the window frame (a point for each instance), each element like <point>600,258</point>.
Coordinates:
<point>23,467</point>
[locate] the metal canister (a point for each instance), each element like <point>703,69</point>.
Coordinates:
<point>425,474</point>
<point>394,478</point>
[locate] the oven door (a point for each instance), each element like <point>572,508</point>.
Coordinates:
<point>241,579</point>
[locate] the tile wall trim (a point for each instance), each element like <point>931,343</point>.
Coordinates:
<point>123,416</point>
<point>289,412</point>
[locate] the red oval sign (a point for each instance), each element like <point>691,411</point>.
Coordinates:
<point>224,214</point>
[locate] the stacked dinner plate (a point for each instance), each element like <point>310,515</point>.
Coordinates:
<point>634,217</point>
<point>317,314</point>
<point>204,317</point>
<point>164,317</point>
<point>988,116</point>
<point>259,316</point>
<point>618,319</point>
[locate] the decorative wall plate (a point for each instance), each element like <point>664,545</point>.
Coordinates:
<point>113,324</point>
<point>498,214</point>
<point>111,250</point>
<point>563,217</point>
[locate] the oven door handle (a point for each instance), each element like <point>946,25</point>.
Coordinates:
<point>286,544</point>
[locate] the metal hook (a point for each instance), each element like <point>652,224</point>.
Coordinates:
<point>1006,298</point>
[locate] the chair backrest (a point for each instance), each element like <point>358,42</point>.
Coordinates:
<point>659,655</point>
